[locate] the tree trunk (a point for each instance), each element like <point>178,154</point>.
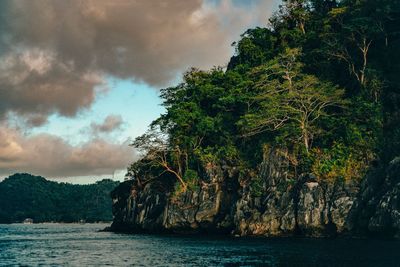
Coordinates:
<point>302,27</point>
<point>306,141</point>
<point>306,138</point>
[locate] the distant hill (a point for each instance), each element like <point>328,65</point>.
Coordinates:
<point>24,196</point>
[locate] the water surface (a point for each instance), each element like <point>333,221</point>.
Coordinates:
<point>82,245</point>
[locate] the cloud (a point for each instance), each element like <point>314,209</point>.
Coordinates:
<point>55,53</point>
<point>110,124</point>
<point>34,84</point>
<point>52,156</point>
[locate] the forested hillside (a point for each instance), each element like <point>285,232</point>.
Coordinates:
<point>26,196</point>
<point>321,81</point>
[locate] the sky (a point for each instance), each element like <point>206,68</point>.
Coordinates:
<point>80,79</point>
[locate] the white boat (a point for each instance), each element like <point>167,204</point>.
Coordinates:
<point>28,221</point>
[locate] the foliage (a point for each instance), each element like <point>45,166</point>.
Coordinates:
<point>256,186</point>
<point>292,100</point>
<point>338,163</point>
<point>321,81</point>
<point>26,196</point>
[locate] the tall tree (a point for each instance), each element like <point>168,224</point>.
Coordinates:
<point>290,98</point>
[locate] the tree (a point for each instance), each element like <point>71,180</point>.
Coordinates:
<point>158,153</point>
<point>352,43</point>
<point>289,97</point>
<point>293,13</point>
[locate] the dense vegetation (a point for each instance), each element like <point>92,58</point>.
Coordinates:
<point>321,82</point>
<point>25,196</point>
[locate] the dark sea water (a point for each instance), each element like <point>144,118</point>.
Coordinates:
<point>82,245</point>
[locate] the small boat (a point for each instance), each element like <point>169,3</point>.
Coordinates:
<point>28,221</point>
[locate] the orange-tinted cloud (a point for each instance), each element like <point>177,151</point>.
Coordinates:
<point>51,156</point>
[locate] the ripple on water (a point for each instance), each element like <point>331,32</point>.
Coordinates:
<point>82,245</point>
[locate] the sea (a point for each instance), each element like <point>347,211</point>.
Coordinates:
<point>84,245</point>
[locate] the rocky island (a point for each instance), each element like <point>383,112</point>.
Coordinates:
<point>299,135</point>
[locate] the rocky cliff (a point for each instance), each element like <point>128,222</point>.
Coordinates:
<point>286,206</point>
<point>226,202</point>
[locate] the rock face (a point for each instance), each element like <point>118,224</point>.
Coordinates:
<point>227,202</point>
<point>151,208</point>
<point>205,209</point>
<point>377,210</point>
<point>286,207</point>
<point>272,212</point>
<point>138,209</point>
